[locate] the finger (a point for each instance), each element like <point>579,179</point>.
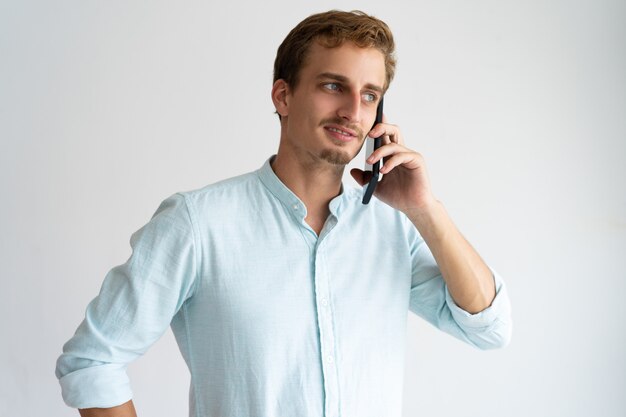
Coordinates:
<point>386,140</point>
<point>409,159</point>
<point>385,151</point>
<point>385,129</point>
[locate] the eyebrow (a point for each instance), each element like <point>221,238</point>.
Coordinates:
<point>344,79</point>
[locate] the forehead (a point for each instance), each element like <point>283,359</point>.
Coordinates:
<point>358,65</point>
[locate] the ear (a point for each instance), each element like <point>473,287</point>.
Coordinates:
<point>280,93</point>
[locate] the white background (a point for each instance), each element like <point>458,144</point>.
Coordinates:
<point>107,108</point>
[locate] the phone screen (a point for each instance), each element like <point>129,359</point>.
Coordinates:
<point>370,146</point>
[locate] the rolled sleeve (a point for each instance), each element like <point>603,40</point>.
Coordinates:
<point>430,299</point>
<point>490,328</point>
<point>135,306</point>
<point>100,386</point>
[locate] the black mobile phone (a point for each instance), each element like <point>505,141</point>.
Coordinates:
<point>371,146</point>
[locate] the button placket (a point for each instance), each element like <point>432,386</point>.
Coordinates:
<point>327,335</point>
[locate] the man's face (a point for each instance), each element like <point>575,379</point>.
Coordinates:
<point>333,106</point>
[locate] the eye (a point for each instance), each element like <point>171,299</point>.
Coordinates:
<point>331,86</point>
<point>369,97</point>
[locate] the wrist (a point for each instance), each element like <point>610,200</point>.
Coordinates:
<point>431,220</point>
<point>426,209</point>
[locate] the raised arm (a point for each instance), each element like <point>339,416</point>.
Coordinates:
<point>468,278</point>
<point>406,187</point>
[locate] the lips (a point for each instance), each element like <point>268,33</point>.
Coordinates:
<point>341,133</point>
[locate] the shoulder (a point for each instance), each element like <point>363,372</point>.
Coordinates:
<point>227,186</point>
<point>224,193</point>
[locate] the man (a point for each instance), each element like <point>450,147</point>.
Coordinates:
<point>280,299</point>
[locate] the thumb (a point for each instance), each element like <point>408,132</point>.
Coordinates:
<point>360,176</point>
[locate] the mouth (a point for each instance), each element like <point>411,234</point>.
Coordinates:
<point>341,133</point>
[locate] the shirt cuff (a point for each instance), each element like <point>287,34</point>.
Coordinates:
<point>499,309</point>
<point>102,386</point>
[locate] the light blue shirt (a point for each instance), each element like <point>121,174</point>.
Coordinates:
<point>272,320</point>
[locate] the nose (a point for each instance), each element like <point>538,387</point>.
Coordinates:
<point>350,108</point>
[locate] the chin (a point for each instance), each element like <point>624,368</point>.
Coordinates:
<point>336,157</point>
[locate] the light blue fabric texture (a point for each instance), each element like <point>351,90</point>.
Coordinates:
<point>271,319</point>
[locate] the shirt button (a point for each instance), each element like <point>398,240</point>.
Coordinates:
<point>330,359</point>
<point>295,207</point>
<point>324,302</point>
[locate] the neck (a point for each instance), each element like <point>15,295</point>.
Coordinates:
<point>315,182</point>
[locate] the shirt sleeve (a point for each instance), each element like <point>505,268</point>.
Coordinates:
<point>431,300</point>
<point>135,306</point>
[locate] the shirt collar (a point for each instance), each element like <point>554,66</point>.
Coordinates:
<point>288,198</point>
